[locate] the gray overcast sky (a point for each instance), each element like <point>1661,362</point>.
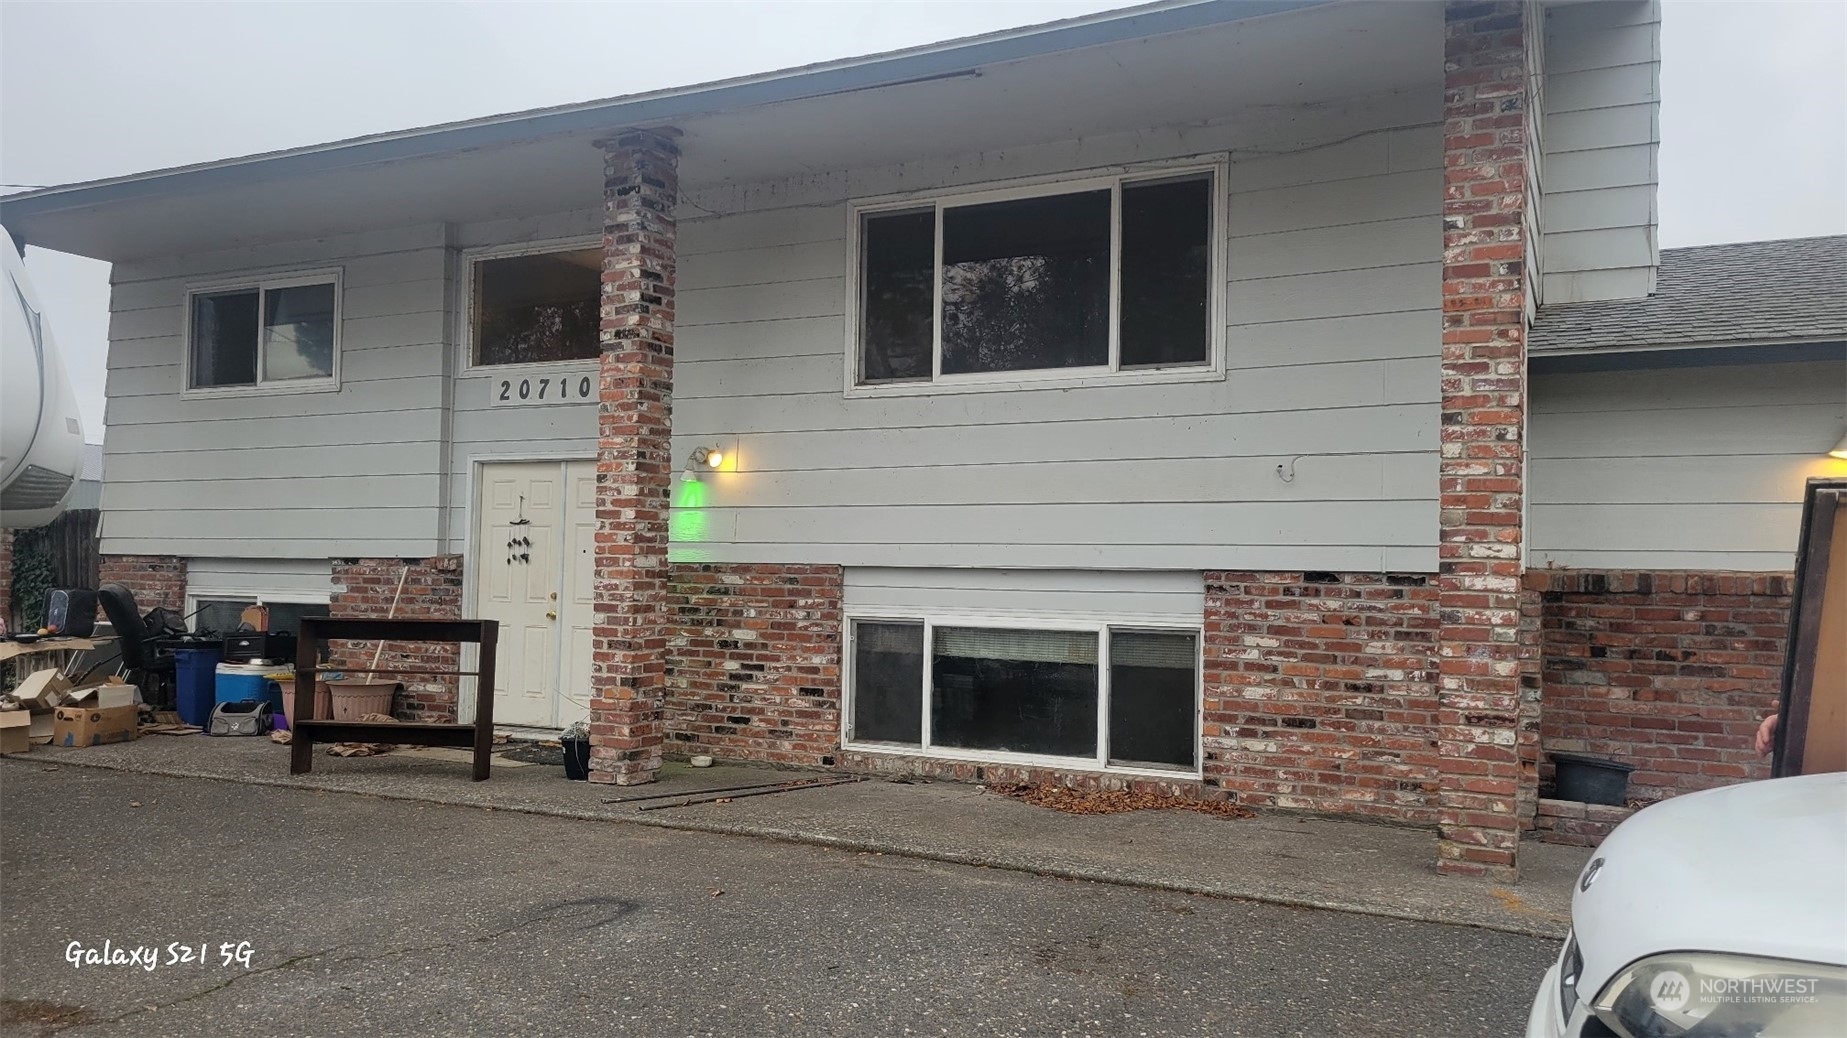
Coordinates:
<point>1754,110</point>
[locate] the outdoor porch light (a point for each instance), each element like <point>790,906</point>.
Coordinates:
<point>709,457</point>
<point>1840,449</point>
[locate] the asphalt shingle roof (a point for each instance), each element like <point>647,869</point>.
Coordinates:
<point>1790,290</point>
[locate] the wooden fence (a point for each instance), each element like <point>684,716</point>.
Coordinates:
<point>59,554</point>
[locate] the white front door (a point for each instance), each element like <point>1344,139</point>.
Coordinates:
<point>534,542</point>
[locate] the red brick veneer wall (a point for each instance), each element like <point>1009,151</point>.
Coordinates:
<point>156,580</point>
<point>1668,671</point>
<point>364,589</point>
<point>1320,692</point>
<point>753,662</point>
<point>1577,825</point>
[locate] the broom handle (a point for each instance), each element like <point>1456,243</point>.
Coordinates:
<point>391,614</point>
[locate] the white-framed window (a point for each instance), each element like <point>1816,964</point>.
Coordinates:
<point>1053,692</point>
<point>272,334</point>
<point>221,610</point>
<point>1116,277</point>
<point>534,304</point>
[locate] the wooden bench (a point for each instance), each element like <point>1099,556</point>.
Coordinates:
<point>308,729</point>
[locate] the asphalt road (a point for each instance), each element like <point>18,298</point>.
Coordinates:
<point>382,918</point>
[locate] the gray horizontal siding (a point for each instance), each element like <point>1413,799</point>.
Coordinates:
<point>1600,140</point>
<point>1333,328</point>
<point>1333,323</point>
<point>282,475</point>
<point>1699,468</point>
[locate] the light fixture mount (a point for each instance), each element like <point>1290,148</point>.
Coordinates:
<point>703,458</point>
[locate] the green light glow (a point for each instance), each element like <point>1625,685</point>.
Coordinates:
<point>686,523</point>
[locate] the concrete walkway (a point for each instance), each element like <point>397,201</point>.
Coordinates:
<point>1276,858</point>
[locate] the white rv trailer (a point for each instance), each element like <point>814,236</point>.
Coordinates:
<point>41,436</point>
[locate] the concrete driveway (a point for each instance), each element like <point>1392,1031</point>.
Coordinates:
<point>1274,857</point>
<point>376,917</point>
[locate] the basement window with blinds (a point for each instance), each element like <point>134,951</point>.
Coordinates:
<point>1109,697</point>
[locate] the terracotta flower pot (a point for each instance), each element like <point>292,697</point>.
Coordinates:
<point>357,697</point>
<point>323,702</point>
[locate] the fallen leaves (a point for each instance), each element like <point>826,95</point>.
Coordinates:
<point>365,749</point>
<point>1114,801</point>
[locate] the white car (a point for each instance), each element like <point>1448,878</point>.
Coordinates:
<point>1720,914</point>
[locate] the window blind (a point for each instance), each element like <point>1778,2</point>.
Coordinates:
<point>994,643</point>
<point>1177,650</point>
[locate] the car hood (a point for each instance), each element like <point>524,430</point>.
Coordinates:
<point>1757,869</point>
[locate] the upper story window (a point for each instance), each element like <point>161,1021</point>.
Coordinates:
<point>277,332</point>
<point>1107,276</point>
<point>537,307</point>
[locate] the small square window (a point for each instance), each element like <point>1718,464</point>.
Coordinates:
<point>538,308</point>
<point>285,332</point>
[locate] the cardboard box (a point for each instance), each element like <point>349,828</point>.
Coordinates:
<point>94,726</point>
<point>106,696</point>
<point>43,690</point>
<point>15,731</point>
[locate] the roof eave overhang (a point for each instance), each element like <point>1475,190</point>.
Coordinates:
<point>656,108</point>
<point>1689,355</point>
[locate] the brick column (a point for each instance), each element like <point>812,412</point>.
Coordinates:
<point>634,467</point>
<point>1482,648</point>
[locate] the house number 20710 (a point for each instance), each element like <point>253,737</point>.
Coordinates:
<point>542,389</point>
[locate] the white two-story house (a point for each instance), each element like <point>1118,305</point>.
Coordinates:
<point>1140,398</point>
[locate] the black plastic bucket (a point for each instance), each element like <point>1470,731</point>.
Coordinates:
<point>576,759</point>
<point>1590,780</point>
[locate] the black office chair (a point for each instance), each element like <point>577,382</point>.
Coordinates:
<point>148,668</point>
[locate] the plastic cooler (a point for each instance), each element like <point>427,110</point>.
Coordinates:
<point>195,681</point>
<point>240,681</point>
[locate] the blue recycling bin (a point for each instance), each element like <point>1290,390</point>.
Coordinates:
<point>195,675</point>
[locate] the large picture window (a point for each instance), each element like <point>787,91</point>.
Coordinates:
<point>282,332</point>
<point>1115,277</point>
<point>1111,697</point>
<point>537,308</point>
